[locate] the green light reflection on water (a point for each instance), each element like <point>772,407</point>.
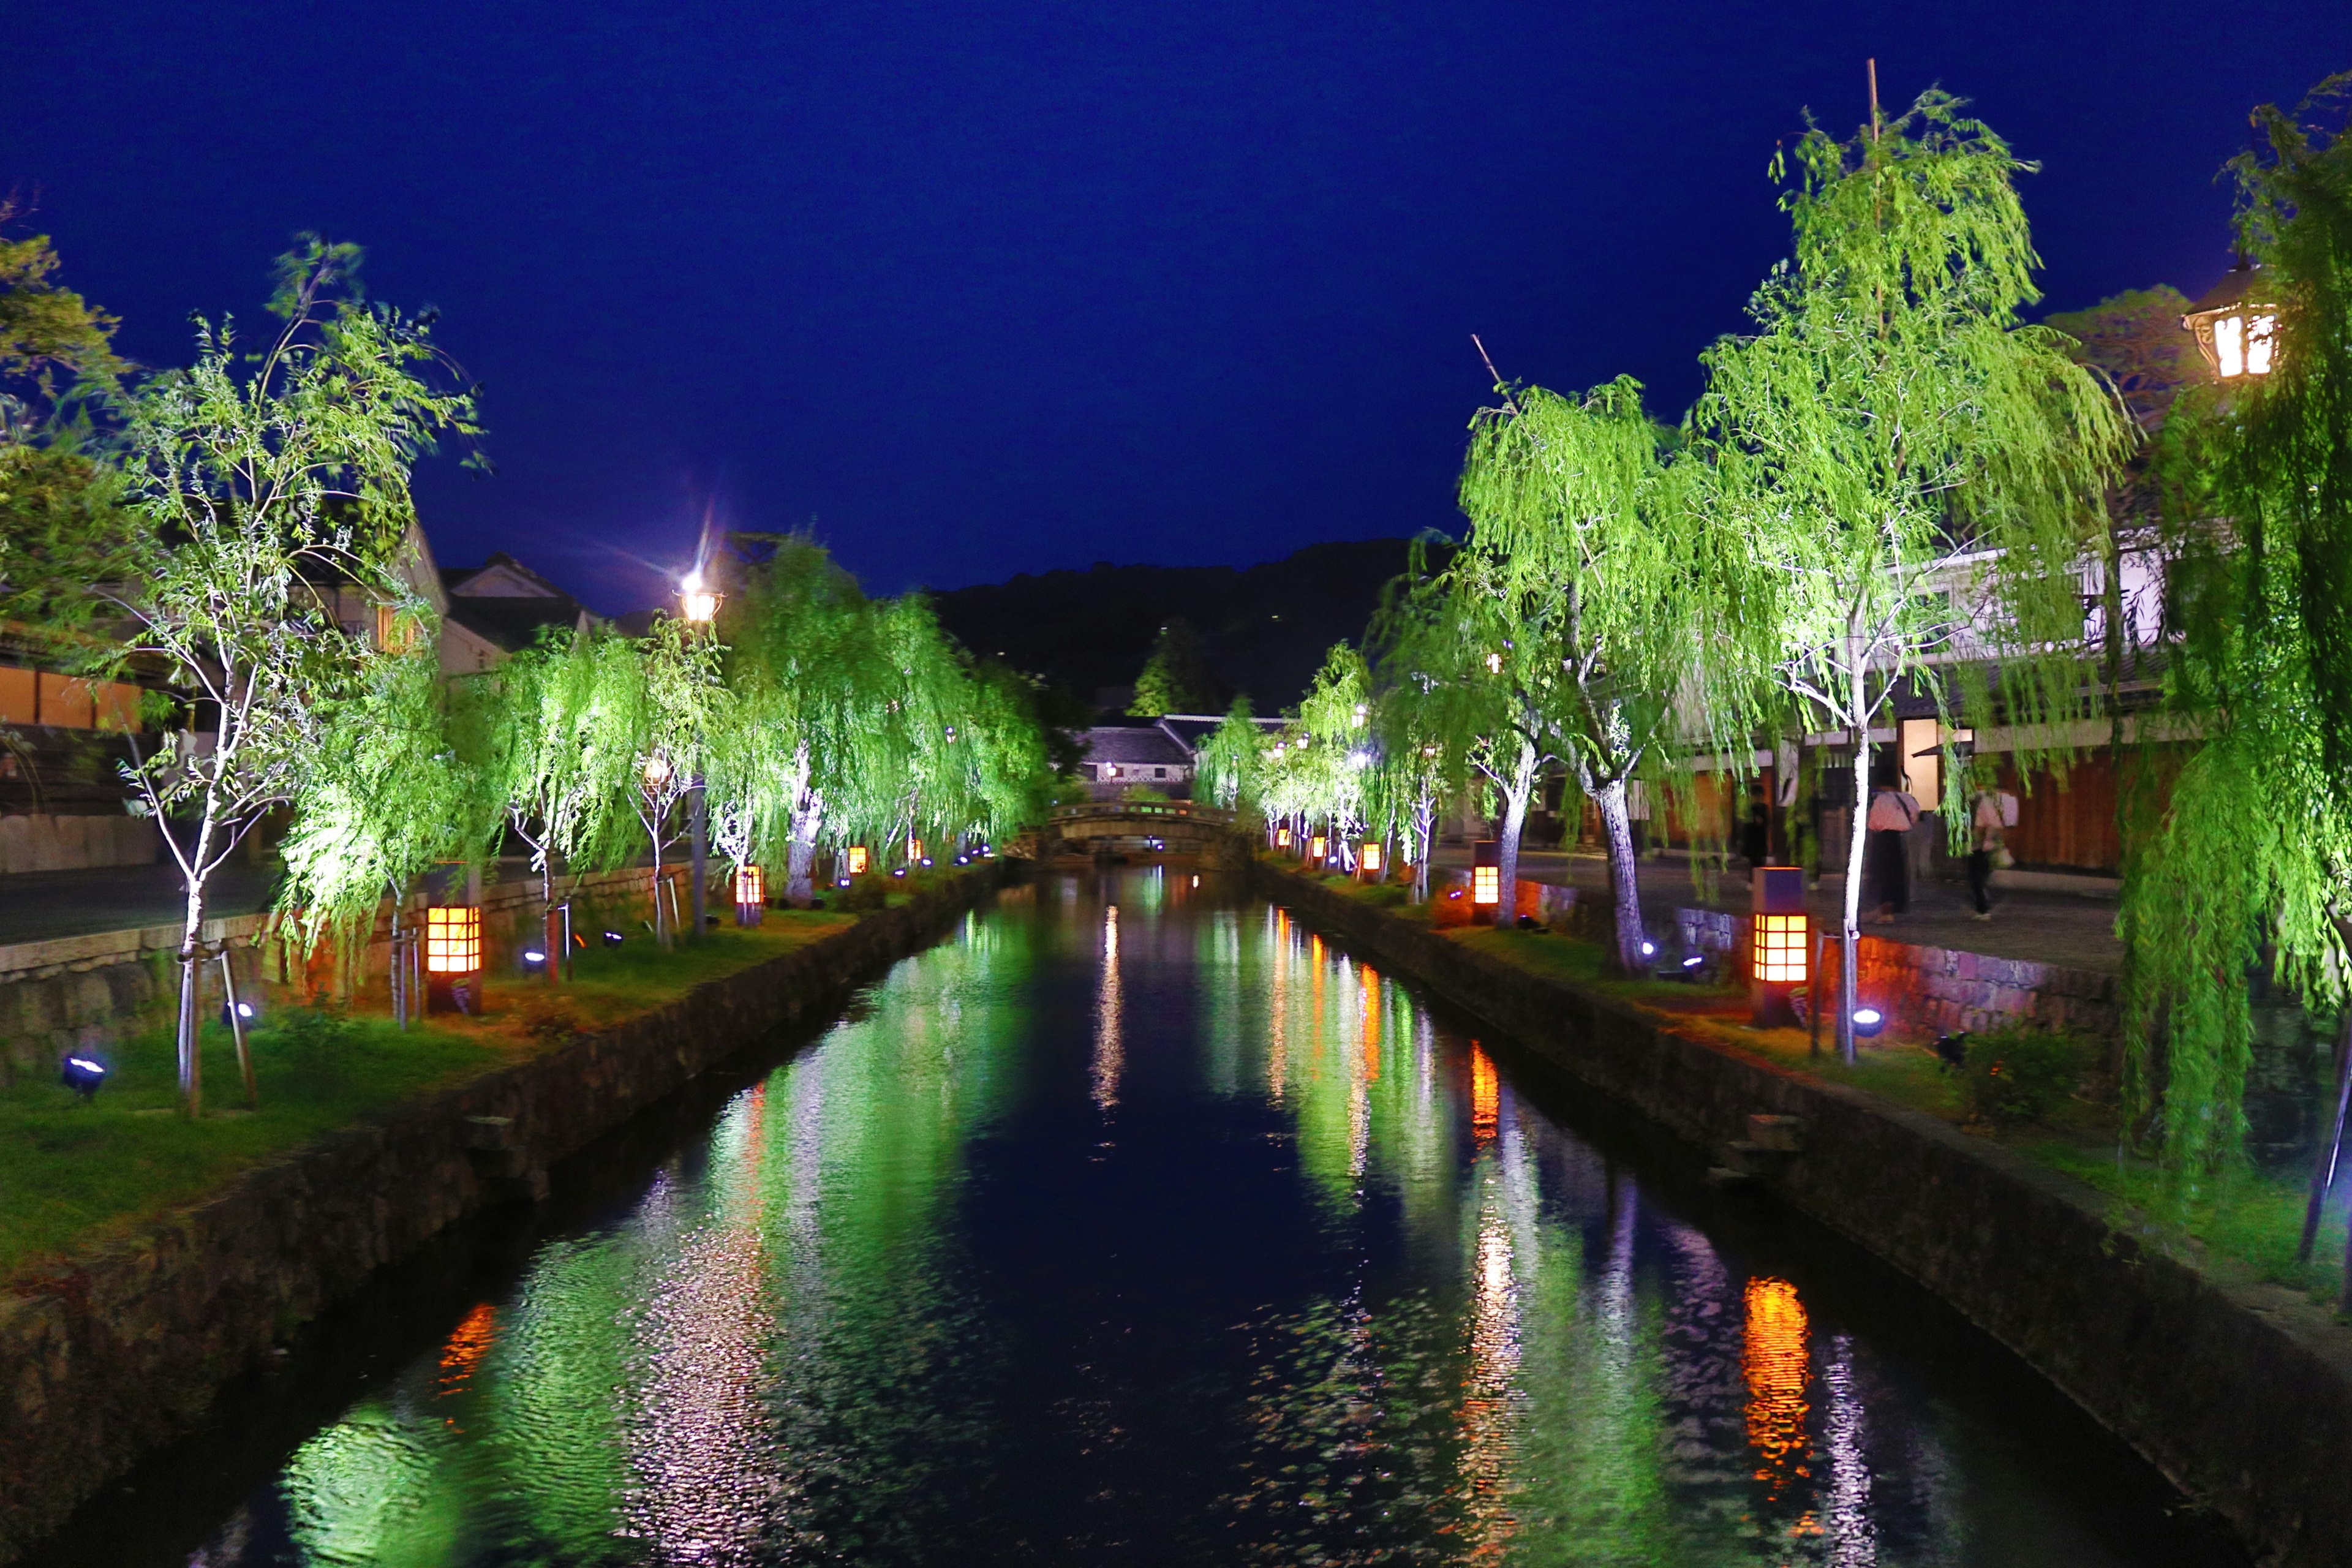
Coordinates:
<point>780,1355</point>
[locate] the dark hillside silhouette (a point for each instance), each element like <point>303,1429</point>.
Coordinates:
<point>1263,629</point>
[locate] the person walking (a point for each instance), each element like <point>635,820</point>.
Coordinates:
<point>1989,814</point>
<point>1893,812</point>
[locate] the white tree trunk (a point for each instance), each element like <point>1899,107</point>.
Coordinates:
<point>1624,881</point>
<point>1515,796</point>
<point>1849,938</point>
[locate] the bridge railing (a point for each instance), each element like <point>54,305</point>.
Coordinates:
<point>1152,810</point>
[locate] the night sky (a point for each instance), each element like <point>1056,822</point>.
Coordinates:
<point>984,289</point>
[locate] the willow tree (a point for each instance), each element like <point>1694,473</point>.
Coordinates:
<point>1920,474</point>
<point>256,486</point>
<point>390,795</point>
<point>1226,772</point>
<point>1471,675</point>
<point>1615,594</point>
<point>2254,846</point>
<point>803,664</point>
<point>529,728</point>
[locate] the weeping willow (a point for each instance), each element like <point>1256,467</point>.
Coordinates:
<point>1922,475</point>
<point>2253,848</point>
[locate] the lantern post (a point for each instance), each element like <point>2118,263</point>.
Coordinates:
<point>697,601</point>
<point>1780,945</point>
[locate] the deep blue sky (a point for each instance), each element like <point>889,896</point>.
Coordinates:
<point>992,288</point>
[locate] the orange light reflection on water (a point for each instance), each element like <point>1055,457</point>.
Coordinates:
<point>1777,1363</point>
<point>1485,1095</point>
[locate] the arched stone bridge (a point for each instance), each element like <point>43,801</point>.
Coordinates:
<point>1135,828</point>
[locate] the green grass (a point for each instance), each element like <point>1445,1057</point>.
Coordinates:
<point>73,1173</point>
<point>2244,1225</point>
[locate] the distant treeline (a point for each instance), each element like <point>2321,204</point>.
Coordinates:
<point>1263,629</point>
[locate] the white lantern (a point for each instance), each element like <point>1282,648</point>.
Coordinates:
<point>2235,332</point>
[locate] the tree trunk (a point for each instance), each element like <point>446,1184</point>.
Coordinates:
<point>661,916</point>
<point>191,1060</point>
<point>1849,938</point>
<point>1624,876</point>
<point>1507,846</point>
<point>799,854</point>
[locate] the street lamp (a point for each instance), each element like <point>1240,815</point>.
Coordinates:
<point>697,601</point>
<point>699,604</point>
<point>2236,333</point>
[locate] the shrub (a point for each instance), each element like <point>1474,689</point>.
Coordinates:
<point>865,895</point>
<point>2016,1075</point>
<point>314,1033</point>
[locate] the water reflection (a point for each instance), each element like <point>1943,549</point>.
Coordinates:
<point>1339,1294</point>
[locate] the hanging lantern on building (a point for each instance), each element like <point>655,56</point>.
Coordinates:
<point>1780,943</point>
<point>2235,332</point>
<point>751,895</point>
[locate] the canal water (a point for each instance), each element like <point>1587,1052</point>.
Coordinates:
<point>1136,1224</point>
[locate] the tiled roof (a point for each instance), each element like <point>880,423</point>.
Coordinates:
<point>1129,746</point>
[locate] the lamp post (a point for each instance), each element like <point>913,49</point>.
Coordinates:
<point>2235,331</point>
<point>698,603</point>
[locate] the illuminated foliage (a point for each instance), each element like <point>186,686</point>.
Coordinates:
<point>252,485</point>
<point>2254,845</point>
<point>1892,427</point>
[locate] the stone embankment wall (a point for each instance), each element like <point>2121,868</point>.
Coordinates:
<point>83,993</point>
<point>109,1354</point>
<point>2241,1392</point>
<point>37,841</point>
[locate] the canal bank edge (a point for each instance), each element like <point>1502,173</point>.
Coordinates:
<point>2239,1393</point>
<point>108,1355</point>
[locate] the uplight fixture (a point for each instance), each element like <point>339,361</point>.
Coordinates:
<point>1868,1021</point>
<point>83,1075</point>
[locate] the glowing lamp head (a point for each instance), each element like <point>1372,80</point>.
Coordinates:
<point>656,770</point>
<point>1486,886</point>
<point>2235,331</point>
<point>856,861</point>
<point>751,885</point>
<point>83,1075</point>
<point>1371,857</point>
<point>695,600</point>
<point>1868,1021</point>
<point>1317,847</point>
<point>1282,838</point>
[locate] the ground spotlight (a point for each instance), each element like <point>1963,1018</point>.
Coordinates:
<point>897,870</point>
<point>534,962</point>
<point>927,860</point>
<point>842,882</point>
<point>612,939</point>
<point>244,1014</point>
<point>1868,1021</point>
<point>83,1075</point>
<point>1649,950</point>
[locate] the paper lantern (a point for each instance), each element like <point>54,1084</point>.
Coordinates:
<point>453,940</point>
<point>858,859</point>
<point>1370,859</point>
<point>1784,946</point>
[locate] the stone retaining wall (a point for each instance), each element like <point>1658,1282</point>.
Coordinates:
<point>111,1354</point>
<point>2241,1392</point>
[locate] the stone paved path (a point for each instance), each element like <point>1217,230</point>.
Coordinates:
<point>2073,931</point>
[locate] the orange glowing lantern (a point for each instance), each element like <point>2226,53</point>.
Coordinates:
<point>1370,859</point>
<point>1486,879</point>
<point>1282,838</point>
<point>751,895</point>
<point>858,859</point>
<point>1783,946</point>
<point>1780,948</point>
<point>1318,848</point>
<point>914,848</point>
<point>453,940</point>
